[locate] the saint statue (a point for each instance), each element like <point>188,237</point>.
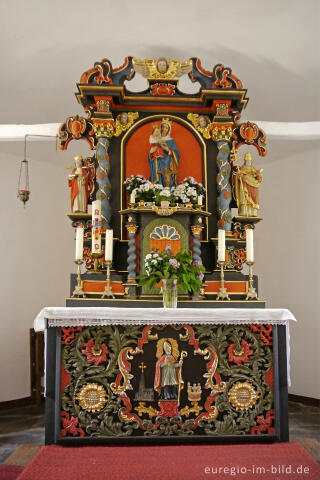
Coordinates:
<point>168,380</point>
<point>246,182</point>
<point>78,181</point>
<point>163,156</point>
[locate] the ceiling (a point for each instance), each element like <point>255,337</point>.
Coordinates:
<point>273,47</point>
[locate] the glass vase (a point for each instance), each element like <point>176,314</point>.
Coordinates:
<point>170,293</point>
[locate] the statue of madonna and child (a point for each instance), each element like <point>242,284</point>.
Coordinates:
<point>163,155</point>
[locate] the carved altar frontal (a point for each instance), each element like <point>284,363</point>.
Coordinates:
<point>142,382</point>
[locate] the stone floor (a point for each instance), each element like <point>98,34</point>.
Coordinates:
<point>25,426</point>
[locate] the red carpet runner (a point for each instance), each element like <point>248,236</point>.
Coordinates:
<point>266,462</point>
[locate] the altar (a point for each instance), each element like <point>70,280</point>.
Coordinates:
<point>105,369</point>
<point>164,337</point>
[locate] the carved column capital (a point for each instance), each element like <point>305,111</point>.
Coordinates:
<point>221,132</point>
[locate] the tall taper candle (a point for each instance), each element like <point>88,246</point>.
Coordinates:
<point>249,245</point>
<point>221,245</point>
<point>79,243</point>
<point>109,246</point>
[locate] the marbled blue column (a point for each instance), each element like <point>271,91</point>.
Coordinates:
<point>102,177</point>
<point>132,257</point>
<point>223,186</point>
<point>196,248</point>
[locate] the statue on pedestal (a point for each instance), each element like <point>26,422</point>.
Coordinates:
<point>246,182</point>
<point>78,181</point>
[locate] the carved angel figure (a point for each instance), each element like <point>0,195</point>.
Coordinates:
<point>161,68</point>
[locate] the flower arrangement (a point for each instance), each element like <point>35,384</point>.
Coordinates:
<point>186,192</point>
<point>166,265</point>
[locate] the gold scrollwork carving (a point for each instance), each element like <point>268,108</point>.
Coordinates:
<point>126,353</point>
<point>201,123</point>
<point>196,408</point>
<point>150,411</point>
<point>164,212</point>
<point>124,121</point>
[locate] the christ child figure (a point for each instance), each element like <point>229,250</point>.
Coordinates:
<point>156,151</point>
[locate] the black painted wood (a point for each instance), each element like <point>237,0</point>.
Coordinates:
<point>53,380</point>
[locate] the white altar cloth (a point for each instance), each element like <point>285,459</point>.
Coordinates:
<point>75,317</point>
<point>91,316</point>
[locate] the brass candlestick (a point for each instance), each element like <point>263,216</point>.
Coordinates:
<point>223,293</point>
<point>78,292</point>
<point>252,293</point>
<point>108,288</point>
<point>96,257</point>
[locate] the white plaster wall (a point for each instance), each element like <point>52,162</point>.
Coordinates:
<point>287,252</point>
<point>271,46</point>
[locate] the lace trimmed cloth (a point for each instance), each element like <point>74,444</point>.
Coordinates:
<point>93,316</point>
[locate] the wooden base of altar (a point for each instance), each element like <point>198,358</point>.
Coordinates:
<point>110,381</point>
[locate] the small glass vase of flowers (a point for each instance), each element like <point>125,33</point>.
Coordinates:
<point>172,270</point>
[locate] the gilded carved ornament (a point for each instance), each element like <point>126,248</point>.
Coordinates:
<point>201,123</point>
<point>221,132</point>
<point>124,121</point>
<point>103,128</point>
<point>92,397</point>
<point>162,68</point>
<point>243,395</point>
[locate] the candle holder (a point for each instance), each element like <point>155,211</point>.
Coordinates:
<point>96,257</point>
<point>252,293</point>
<point>108,288</point>
<point>78,292</point>
<point>223,293</point>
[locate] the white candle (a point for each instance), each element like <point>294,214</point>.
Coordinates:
<point>200,199</point>
<point>108,251</point>
<point>96,212</point>
<point>96,240</point>
<point>221,245</point>
<point>249,245</point>
<point>132,197</point>
<point>79,243</point>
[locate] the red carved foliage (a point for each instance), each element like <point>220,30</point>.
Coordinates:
<point>265,332</point>
<point>241,356</point>
<point>169,409</point>
<point>92,355</point>
<point>264,424</point>
<point>70,426</point>
<point>68,334</point>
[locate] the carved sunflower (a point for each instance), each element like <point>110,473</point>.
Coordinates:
<point>243,395</point>
<point>92,397</point>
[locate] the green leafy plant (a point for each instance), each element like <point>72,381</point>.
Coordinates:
<point>166,265</point>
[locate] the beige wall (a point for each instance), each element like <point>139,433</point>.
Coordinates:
<point>37,252</point>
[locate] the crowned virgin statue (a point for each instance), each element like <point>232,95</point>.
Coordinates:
<point>163,156</point>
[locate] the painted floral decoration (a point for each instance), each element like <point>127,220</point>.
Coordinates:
<point>241,356</point>
<point>94,356</point>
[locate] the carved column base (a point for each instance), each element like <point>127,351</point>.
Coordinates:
<point>130,289</point>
